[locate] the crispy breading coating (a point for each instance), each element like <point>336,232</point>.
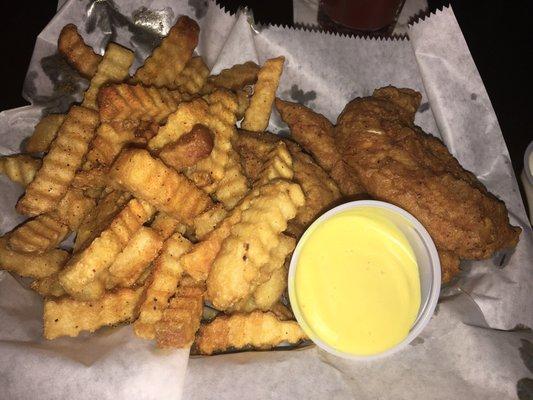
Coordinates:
<point>257,115</point>
<point>83,269</point>
<point>193,77</point>
<point>20,168</point>
<point>161,285</point>
<point>29,264</point>
<point>243,260</point>
<point>189,148</point>
<point>236,77</point>
<point>81,56</point>
<point>68,317</point>
<point>243,102</point>
<point>257,330</point>
<point>168,60</point>
<point>109,205</point>
<point>44,133</point>
<point>124,102</point>
<point>449,265</point>
<point>136,171</point>
<point>181,319</point>
<point>397,162</point>
<point>129,265</point>
<point>314,133</point>
<point>48,286</point>
<point>60,164</point>
<point>114,67</point>
<point>38,235</point>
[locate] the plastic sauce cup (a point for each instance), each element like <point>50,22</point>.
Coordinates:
<point>428,267</point>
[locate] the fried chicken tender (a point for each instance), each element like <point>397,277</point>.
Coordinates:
<point>242,263</point>
<point>114,67</point>
<point>81,56</point>
<point>314,133</point>
<point>29,264</point>
<point>258,112</point>
<point>193,77</point>
<point>20,168</point>
<point>257,330</point>
<point>68,317</point>
<point>44,133</point>
<point>399,163</point>
<point>60,164</point>
<point>124,102</point>
<point>319,189</point>
<point>189,148</point>
<point>181,319</point>
<point>168,60</point>
<point>136,171</point>
<point>81,276</point>
<point>161,285</point>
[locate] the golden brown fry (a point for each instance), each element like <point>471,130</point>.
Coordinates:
<point>20,168</point>
<point>239,331</point>
<point>123,102</point>
<point>208,220</point>
<point>80,277</point>
<point>114,67</point>
<point>234,185</point>
<point>134,259</point>
<point>48,286</point>
<point>243,261</point>
<point>181,319</point>
<point>243,101</point>
<point>161,285</point>
<point>165,225</point>
<point>193,76</point>
<point>136,171</point>
<point>236,77</point>
<point>99,217</point>
<point>110,138</point>
<point>258,113</point>
<point>38,235</point>
<point>81,56</point>
<point>278,164</point>
<point>189,148</point>
<point>68,317</point>
<point>170,57</point>
<point>73,208</point>
<point>28,264</point>
<point>92,179</point>
<point>60,164</point>
<point>44,133</point>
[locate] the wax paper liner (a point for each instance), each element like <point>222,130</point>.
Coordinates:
<point>469,349</point>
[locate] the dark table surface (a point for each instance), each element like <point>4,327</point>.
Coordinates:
<point>497,33</point>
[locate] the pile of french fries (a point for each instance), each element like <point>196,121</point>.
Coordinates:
<point>171,233</point>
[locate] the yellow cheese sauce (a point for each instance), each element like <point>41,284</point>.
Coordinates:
<point>356,282</point>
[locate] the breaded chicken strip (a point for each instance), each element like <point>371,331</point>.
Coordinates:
<point>399,163</point>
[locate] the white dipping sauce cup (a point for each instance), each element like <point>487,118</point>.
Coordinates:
<point>428,267</point>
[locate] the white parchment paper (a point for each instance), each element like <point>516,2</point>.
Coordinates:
<point>469,349</point>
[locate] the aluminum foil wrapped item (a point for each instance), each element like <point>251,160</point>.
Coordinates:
<point>476,346</point>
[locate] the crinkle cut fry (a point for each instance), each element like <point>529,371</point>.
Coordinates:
<point>170,57</point>
<point>60,164</point>
<point>20,168</point>
<point>44,133</point>
<point>136,171</point>
<point>114,67</point>
<point>48,286</point>
<point>278,164</point>
<point>29,264</point>
<point>234,185</point>
<point>193,76</point>
<point>257,115</point>
<point>124,102</point>
<point>162,283</point>
<point>165,225</point>
<point>235,77</point>
<point>38,235</point>
<point>240,331</point>
<point>181,319</point>
<point>107,143</point>
<point>81,56</point>
<point>239,266</point>
<point>68,317</point>
<point>80,277</point>
<point>208,220</point>
<point>129,265</point>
